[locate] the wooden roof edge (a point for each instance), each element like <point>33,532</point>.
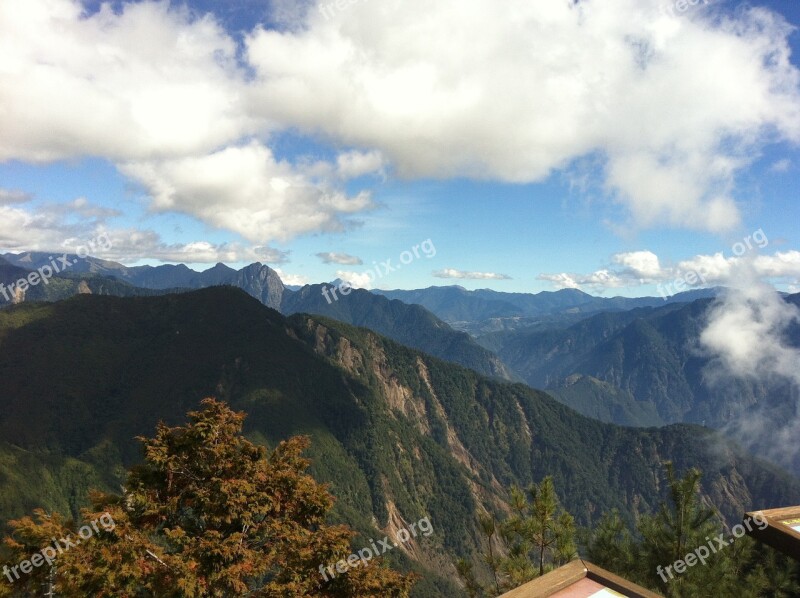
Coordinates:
<point>776,534</point>
<point>550,583</point>
<point>563,577</point>
<point>779,513</point>
<point>615,582</point>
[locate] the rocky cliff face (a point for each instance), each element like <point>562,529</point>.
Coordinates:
<point>261,282</point>
<point>410,325</point>
<point>503,434</point>
<point>398,434</point>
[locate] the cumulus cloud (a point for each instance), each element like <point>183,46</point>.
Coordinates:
<point>357,280</point>
<point>245,189</point>
<point>132,245</point>
<point>452,273</point>
<point>292,279</point>
<point>46,229</point>
<point>353,164</point>
<point>599,280</point>
<point>340,258</point>
<point>612,78</point>
<point>644,267</point>
<point>640,264</point>
<point>159,92</point>
<point>163,94</point>
<point>145,82</point>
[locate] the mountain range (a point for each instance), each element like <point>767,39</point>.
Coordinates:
<point>397,433</point>
<point>485,310</point>
<point>626,361</point>
<point>408,324</point>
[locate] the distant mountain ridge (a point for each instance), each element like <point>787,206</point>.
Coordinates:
<point>485,310</point>
<point>643,367</point>
<point>62,285</point>
<point>411,325</point>
<point>398,434</point>
<point>259,280</point>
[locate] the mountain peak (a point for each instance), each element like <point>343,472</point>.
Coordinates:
<point>219,269</point>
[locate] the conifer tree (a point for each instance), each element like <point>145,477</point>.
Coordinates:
<point>611,546</point>
<point>207,514</point>
<point>682,526</point>
<point>537,536</point>
<point>676,529</point>
<point>541,527</point>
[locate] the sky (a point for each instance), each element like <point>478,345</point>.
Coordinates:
<point>623,147</point>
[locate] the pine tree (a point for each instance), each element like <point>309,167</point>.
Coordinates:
<point>541,527</point>
<point>207,514</point>
<point>742,568</point>
<point>611,546</point>
<point>538,535</point>
<point>677,529</point>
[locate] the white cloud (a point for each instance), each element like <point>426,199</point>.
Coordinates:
<point>747,329</point>
<point>45,230</point>
<point>292,279</point>
<point>246,190</point>
<point>748,336</point>
<point>353,164</point>
<point>599,280</point>
<point>163,94</point>
<point>644,267</point>
<point>453,273</point>
<point>143,83</point>
<point>641,264</point>
<point>159,92</point>
<point>562,280</point>
<point>340,258</point>
<point>611,77</point>
<point>357,280</point>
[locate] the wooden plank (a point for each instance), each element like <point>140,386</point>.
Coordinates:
<point>550,583</point>
<point>573,572</point>
<point>620,584</point>
<point>777,534</point>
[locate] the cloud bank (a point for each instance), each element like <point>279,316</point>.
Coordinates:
<point>453,273</point>
<point>644,267</point>
<point>673,106</point>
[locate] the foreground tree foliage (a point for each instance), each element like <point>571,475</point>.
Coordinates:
<point>207,514</point>
<point>743,568</point>
<point>537,537</point>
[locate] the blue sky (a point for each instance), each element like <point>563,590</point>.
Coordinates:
<point>610,147</point>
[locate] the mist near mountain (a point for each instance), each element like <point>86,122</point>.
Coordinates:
<point>753,334</point>
<point>654,366</point>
